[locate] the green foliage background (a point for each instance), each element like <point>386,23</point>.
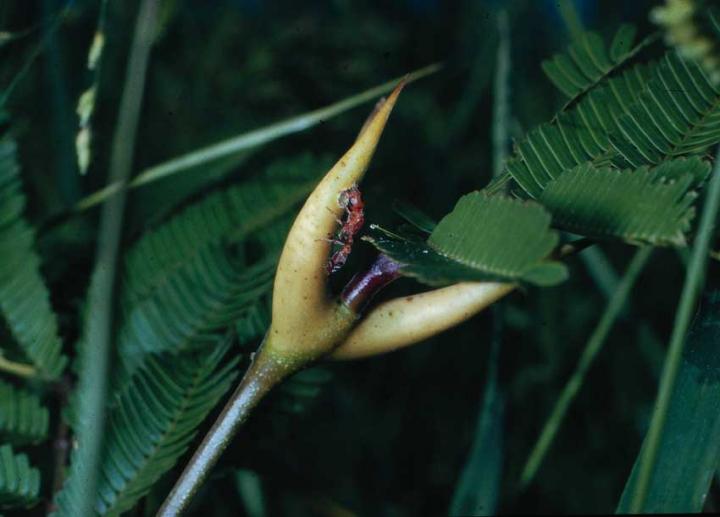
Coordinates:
<point>389,435</point>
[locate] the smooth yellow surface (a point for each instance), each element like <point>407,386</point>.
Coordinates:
<point>302,310</point>
<point>405,321</point>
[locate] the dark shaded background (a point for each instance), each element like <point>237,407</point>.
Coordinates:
<point>386,436</point>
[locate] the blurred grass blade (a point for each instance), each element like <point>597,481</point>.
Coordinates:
<point>249,488</point>
<point>34,53</point>
<point>153,204</point>
<point>570,15</point>
<point>649,471</point>
<point>501,96</point>
<point>478,490</point>
<point>600,270</point>
<point>414,216</point>
<point>690,447</point>
<point>249,140</point>
<point>594,345</point>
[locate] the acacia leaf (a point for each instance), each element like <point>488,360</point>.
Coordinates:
<point>19,481</point>
<point>23,418</point>
<point>24,298</point>
<point>485,238</point>
<point>653,206</point>
<point>589,59</point>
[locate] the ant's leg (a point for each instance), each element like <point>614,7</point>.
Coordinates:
<point>337,220</point>
<point>333,240</point>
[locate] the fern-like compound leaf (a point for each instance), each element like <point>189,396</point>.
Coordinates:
<point>19,481</point>
<point>642,117</point>
<point>485,238</point>
<point>23,418</point>
<point>155,418</point>
<point>200,300</point>
<point>190,278</point>
<point>24,298</point>
<point>226,215</point>
<point>589,59</point>
<point>677,114</point>
<point>578,135</point>
<point>152,420</point>
<point>652,206</point>
<point>216,271</point>
<point>254,321</point>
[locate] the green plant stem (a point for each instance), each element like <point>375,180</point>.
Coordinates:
<point>501,94</point>
<point>694,280</point>
<point>264,373</point>
<point>239,143</point>
<point>594,345</point>
<point>19,369</point>
<point>94,354</point>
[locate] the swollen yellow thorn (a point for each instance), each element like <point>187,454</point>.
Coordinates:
<point>304,320</point>
<point>408,320</point>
